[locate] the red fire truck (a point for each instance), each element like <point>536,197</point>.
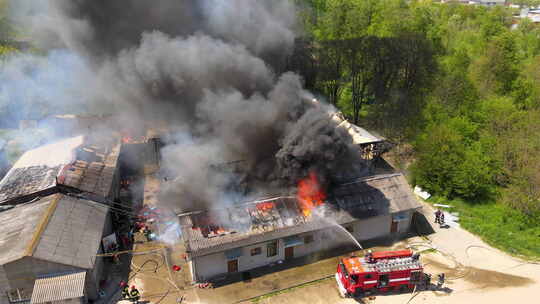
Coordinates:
<point>379,271</point>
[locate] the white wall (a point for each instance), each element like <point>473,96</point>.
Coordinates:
<point>209,266</point>
<point>206,267</point>
<point>246,261</point>
<point>404,225</point>
<point>372,227</point>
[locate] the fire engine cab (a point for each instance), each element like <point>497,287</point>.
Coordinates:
<point>379,271</point>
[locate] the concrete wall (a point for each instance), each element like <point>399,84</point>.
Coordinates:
<point>373,227</point>
<point>71,301</point>
<point>404,226</point>
<point>22,273</point>
<point>206,267</point>
<point>96,274</point>
<point>4,286</point>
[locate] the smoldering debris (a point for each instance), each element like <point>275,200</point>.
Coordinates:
<point>212,71</point>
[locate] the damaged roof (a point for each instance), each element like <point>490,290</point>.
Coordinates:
<point>359,136</point>
<point>255,222</point>
<point>71,162</point>
<point>36,170</point>
<point>57,228</point>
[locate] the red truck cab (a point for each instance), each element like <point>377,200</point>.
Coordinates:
<point>379,271</point>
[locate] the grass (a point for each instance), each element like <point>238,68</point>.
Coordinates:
<point>499,225</point>
<point>429,250</point>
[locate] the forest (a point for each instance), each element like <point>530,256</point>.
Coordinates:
<point>455,87</point>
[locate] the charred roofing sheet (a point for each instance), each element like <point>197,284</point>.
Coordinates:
<point>364,198</point>
<point>76,164</point>
<point>37,169</point>
<point>93,173</point>
<point>68,232</point>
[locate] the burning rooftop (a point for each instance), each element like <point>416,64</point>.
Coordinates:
<point>77,163</point>
<point>280,217</point>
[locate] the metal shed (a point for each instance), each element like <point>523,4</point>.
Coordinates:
<point>67,288</point>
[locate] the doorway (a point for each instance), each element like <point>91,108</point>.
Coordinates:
<point>289,253</point>
<point>393,227</point>
<point>383,280</point>
<point>232,266</point>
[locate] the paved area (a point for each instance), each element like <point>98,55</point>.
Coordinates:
<point>476,273</point>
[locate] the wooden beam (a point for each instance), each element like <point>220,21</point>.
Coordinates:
<point>42,225</point>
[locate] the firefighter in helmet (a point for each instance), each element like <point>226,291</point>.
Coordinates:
<point>125,290</point>
<point>134,294</point>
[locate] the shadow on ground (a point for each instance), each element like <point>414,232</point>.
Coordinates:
<point>431,287</point>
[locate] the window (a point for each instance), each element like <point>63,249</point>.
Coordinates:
<point>368,276</point>
<point>256,251</point>
<point>271,249</point>
<point>349,228</point>
<point>308,239</point>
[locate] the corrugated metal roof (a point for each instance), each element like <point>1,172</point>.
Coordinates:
<point>58,288</point>
<point>73,234</point>
<point>368,197</point>
<point>19,225</point>
<point>358,135</point>
<point>70,233</point>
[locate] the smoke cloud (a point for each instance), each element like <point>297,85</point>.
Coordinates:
<point>210,69</point>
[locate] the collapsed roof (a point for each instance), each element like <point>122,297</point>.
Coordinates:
<point>74,162</point>
<point>280,217</point>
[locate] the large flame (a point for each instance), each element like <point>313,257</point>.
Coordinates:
<point>310,194</point>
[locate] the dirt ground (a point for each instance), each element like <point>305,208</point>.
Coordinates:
<point>475,273</point>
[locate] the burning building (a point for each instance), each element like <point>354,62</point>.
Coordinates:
<point>77,164</point>
<point>55,209</point>
<point>283,228</point>
<point>245,236</point>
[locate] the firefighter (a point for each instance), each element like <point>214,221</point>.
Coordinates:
<point>427,278</point>
<point>369,256</point>
<point>438,216</point>
<point>125,290</point>
<point>441,219</point>
<point>134,294</point>
<point>147,233</point>
<point>440,282</point>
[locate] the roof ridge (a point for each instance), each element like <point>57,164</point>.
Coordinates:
<point>41,226</point>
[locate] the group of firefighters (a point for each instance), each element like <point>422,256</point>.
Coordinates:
<point>133,295</point>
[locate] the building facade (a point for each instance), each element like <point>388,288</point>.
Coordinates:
<point>382,206</point>
<point>55,211</point>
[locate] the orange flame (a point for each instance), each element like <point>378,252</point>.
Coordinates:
<point>310,194</point>
<point>265,206</point>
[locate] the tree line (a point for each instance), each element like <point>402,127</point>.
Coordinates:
<point>459,83</point>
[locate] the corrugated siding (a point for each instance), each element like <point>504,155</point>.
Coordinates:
<point>59,288</point>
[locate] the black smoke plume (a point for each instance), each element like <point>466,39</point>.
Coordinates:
<point>211,69</point>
